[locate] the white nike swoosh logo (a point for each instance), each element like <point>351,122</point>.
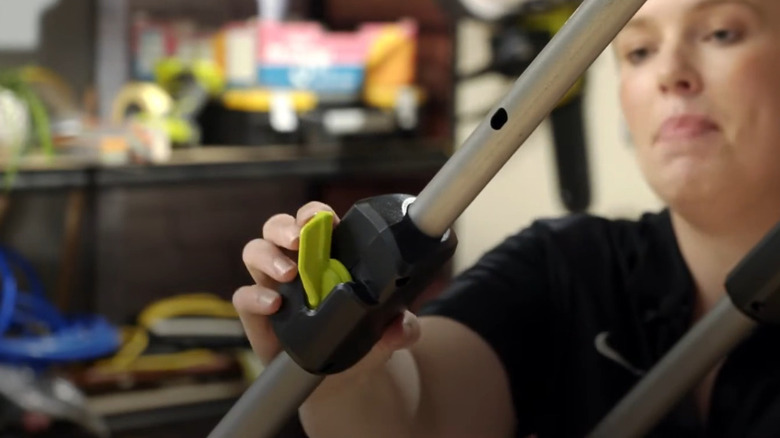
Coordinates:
<point>607,351</point>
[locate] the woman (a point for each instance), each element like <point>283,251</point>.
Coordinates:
<point>548,331</point>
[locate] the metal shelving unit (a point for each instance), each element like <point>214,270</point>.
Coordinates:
<point>217,163</point>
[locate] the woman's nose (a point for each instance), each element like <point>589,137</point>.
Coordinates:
<point>678,76</point>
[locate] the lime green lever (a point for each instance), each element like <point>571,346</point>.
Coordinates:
<point>319,273</point>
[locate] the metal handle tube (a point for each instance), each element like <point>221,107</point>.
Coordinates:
<point>683,366</point>
<point>269,402</point>
<point>535,94</point>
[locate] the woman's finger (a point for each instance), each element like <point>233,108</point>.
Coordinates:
<point>308,211</point>
<point>254,304</point>
<point>267,264</point>
<point>283,231</point>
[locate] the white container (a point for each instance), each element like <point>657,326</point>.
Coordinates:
<point>240,55</point>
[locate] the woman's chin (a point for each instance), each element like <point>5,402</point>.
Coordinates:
<point>682,186</point>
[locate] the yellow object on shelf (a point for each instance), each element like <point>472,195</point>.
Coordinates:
<point>209,76</point>
<point>387,96</point>
<point>202,304</point>
<point>131,358</point>
<point>178,130</point>
<point>391,67</point>
<point>150,104</point>
<point>143,97</point>
<point>392,56</point>
<point>261,100</point>
<point>168,72</point>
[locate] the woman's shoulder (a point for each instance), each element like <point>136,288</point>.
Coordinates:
<point>586,232</point>
<point>581,246</point>
<point>587,246</point>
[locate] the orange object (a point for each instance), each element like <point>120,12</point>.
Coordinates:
<point>392,55</point>
<point>220,52</point>
<point>111,144</point>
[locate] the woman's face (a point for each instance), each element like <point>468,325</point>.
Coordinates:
<point>700,90</point>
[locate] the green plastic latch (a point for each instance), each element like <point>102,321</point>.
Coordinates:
<point>319,273</point>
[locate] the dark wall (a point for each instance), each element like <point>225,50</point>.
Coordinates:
<point>159,241</point>
<point>66,43</point>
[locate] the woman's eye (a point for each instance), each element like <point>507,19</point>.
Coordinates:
<point>637,55</point>
<point>724,36</point>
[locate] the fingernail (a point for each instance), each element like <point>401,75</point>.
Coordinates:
<point>407,322</point>
<point>283,266</point>
<point>294,238</point>
<point>266,299</point>
<point>312,214</point>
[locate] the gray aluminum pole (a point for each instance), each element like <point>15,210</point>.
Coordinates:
<point>270,402</point>
<point>533,97</point>
<point>682,367</point>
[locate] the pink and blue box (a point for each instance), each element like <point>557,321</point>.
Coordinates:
<point>335,65</point>
<point>305,57</point>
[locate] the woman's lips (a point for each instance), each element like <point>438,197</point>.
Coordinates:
<point>685,127</point>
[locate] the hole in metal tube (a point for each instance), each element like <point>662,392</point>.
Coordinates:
<point>499,119</point>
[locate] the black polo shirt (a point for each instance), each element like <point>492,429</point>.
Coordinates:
<point>578,308</point>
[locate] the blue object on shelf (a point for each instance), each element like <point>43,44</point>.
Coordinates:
<point>325,80</point>
<point>24,315</point>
